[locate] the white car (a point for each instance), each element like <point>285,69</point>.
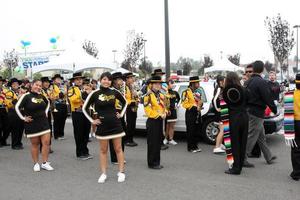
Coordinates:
<point>209,129</point>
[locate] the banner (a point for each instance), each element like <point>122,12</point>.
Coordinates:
<point>29,62</point>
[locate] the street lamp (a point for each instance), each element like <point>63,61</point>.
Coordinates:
<point>297,27</point>
<point>114,52</point>
<point>167,40</point>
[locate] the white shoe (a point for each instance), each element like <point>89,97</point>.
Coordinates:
<point>121,177</point>
<point>90,135</point>
<point>102,178</point>
<point>61,138</point>
<point>93,135</point>
<point>36,167</point>
<point>172,142</point>
<point>218,150</point>
<point>165,141</point>
<point>47,166</point>
<point>223,147</point>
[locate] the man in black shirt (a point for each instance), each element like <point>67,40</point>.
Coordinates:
<point>259,98</point>
<point>274,85</point>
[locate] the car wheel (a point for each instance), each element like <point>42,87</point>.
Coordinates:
<point>210,130</point>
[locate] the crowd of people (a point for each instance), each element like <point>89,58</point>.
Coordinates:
<point>107,109</point>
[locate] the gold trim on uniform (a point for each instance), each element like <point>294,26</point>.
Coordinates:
<point>37,134</point>
<point>110,136</point>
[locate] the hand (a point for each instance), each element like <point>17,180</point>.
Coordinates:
<point>96,122</point>
<point>163,116</point>
<point>28,119</point>
<point>169,113</point>
<point>219,109</point>
<point>118,115</point>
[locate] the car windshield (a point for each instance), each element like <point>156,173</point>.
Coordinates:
<point>184,87</point>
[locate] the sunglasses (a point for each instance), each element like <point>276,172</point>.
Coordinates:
<point>249,72</point>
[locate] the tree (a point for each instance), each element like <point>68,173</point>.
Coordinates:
<point>90,48</point>
<point>269,66</point>
<point>207,62</point>
<point>281,39</point>
<point>11,60</point>
<point>235,59</point>
<point>37,76</point>
<point>133,50</point>
<point>87,74</point>
<point>185,64</point>
<point>146,67</point>
<point>5,73</point>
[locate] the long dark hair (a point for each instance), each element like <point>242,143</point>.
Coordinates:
<point>232,79</point>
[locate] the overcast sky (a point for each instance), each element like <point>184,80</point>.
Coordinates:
<point>197,27</point>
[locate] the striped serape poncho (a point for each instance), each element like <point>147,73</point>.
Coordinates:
<point>289,124</point>
<point>226,125</point>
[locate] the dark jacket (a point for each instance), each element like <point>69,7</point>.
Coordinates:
<point>259,96</point>
<point>275,89</point>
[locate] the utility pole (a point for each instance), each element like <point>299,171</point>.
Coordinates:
<point>167,40</point>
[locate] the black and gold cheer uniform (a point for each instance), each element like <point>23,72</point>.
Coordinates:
<point>174,99</point>
<point>104,101</point>
<point>36,106</point>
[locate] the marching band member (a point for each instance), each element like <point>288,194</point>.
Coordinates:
<point>81,125</point>
<point>36,124</point>
<point>171,119</point>
<point>60,111</point>
<point>193,106</point>
<point>16,125</point>
<point>109,125</point>
<point>156,113</point>
<point>118,84</point>
<point>131,113</point>
<point>4,132</point>
<point>46,91</point>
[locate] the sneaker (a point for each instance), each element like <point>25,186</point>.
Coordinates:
<point>197,150</point>
<point>165,141</point>
<point>172,142</point>
<point>271,161</point>
<point>36,167</point>
<point>93,135</point>
<point>61,138</point>
<point>121,177</point>
<point>90,135</point>
<point>102,178</point>
<point>218,150</point>
<point>85,157</point>
<point>223,146</point>
<point>47,166</point>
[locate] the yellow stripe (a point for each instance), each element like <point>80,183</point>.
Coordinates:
<point>193,81</point>
<point>297,81</point>
<point>156,81</point>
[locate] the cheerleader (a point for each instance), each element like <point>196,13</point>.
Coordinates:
<point>171,119</point>
<point>35,108</point>
<point>109,125</point>
<point>193,106</point>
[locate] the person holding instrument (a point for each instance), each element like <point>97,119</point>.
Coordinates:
<point>191,101</point>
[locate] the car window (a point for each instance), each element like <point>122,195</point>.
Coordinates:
<point>184,87</point>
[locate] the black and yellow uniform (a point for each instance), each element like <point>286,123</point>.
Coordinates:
<point>36,106</point>
<point>104,102</point>
<point>131,114</point>
<point>16,125</point>
<point>174,99</point>
<point>295,152</point>
<point>155,111</point>
<point>47,93</point>
<point>4,132</point>
<point>60,111</point>
<point>119,106</point>
<point>191,113</point>
<point>81,124</point>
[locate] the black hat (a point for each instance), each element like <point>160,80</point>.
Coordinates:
<point>57,76</point>
<point>158,72</point>
<point>128,75</point>
<point>45,79</point>
<point>234,95</point>
<point>77,75</point>
<point>117,75</point>
<point>297,78</point>
<point>156,79</point>
<point>194,79</point>
<point>13,80</point>
<point>86,81</point>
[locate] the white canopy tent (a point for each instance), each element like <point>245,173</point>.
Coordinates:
<point>223,65</point>
<point>72,61</point>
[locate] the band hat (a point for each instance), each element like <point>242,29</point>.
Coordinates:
<point>117,75</point>
<point>158,72</point>
<point>297,81</point>
<point>57,76</point>
<point>14,80</point>
<point>128,75</point>
<point>77,75</point>
<point>45,79</point>
<point>234,95</point>
<point>194,79</point>
<point>156,79</point>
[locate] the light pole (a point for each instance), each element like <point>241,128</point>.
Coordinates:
<point>297,27</point>
<point>167,40</point>
<point>114,52</point>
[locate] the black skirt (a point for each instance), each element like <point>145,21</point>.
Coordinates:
<point>37,127</point>
<point>173,116</point>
